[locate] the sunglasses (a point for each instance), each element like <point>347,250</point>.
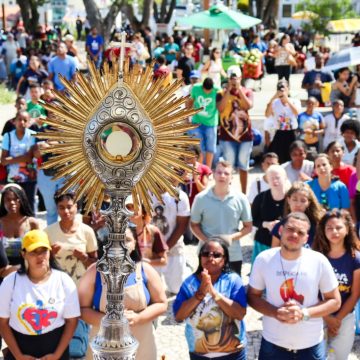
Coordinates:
<point>215,255</point>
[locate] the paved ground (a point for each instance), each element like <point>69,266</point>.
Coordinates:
<point>170,335</point>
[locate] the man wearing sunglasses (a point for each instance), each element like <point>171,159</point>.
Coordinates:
<point>219,210</point>
<point>292,277</point>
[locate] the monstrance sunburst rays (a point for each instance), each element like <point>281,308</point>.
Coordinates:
<point>70,115</point>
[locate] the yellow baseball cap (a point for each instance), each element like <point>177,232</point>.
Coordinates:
<point>35,239</point>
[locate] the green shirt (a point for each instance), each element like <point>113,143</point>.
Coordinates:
<point>209,116</point>
<point>35,110</point>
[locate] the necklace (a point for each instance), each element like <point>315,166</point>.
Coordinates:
<point>287,289</point>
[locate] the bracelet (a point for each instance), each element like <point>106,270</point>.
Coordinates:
<point>199,295</point>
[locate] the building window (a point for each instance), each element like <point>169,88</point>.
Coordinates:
<point>286,11</point>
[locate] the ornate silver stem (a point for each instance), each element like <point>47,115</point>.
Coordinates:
<point>114,340</point>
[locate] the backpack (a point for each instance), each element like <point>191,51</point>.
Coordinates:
<point>79,343</point>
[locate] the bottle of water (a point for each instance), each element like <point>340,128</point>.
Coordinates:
<point>331,354</point>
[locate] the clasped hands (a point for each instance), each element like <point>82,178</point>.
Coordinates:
<point>206,285</point>
<point>289,313</point>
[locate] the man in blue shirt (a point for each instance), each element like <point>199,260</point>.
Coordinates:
<point>61,64</point>
<point>314,80</point>
<point>95,46</point>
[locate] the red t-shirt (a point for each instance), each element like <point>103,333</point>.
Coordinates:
<point>203,170</point>
<point>344,173</point>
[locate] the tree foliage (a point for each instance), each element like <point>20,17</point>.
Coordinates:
<point>326,10</point>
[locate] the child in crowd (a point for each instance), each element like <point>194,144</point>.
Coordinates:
<point>298,168</point>
<point>350,131</point>
<point>311,124</point>
<point>300,198</point>
<point>335,151</point>
<point>336,239</point>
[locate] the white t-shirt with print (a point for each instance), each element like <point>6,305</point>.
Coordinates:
<point>332,129</point>
<point>165,217</point>
<point>35,309</point>
<point>84,240</point>
<point>349,156</point>
<point>299,279</point>
<point>284,118</point>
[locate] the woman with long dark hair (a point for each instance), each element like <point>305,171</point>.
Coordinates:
<point>16,219</point>
<point>144,300</point>
<point>336,239</point>
<point>212,301</point>
<point>39,306</point>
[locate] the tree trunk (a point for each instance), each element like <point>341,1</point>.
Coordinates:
<point>35,16</point>
<point>104,26</point>
<point>170,11</point>
<point>147,12</point>
<point>270,15</point>
<point>25,13</point>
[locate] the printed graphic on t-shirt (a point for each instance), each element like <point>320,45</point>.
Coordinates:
<point>284,123</point>
<point>204,103</point>
<point>37,317</point>
<point>344,286</point>
<point>214,331</point>
<point>288,292</point>
<point>236,124</point>
<point>160,220</point>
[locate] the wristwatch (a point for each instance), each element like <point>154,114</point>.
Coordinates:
<point>306,315</point>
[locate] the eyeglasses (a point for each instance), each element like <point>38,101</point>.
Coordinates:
<point>215,255</point>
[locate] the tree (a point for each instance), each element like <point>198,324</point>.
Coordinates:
<point>166,11</point>
<point>267,11</point>
<point>30,14</point>
<point>105,25</point>
<point>326,10</point>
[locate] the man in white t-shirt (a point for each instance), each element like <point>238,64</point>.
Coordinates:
<point>172,219</point>
<point>293,277</point>
<point>260,184</point>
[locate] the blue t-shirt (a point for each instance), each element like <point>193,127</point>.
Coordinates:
<point>311,76</point>
<point>335,197</point>
<point>344,268</point>
<point>171,56</point>
<point>66,67</point>
<point>208,317</point>
<point>19,172</point>
<point>94,43</point>
<point>307,121</point>
<point>275,232</point>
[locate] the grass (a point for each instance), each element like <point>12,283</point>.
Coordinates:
<point>6,96</point>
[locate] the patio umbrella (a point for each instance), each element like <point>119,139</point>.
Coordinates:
<point>344,26</point>
<point>304,15</point>
<point>220,17</point>
<point>344,58</point>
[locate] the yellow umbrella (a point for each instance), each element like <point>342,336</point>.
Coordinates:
<point>344,25</point>
<point>304,15</point>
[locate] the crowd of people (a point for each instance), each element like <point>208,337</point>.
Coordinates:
<point>303,209</point>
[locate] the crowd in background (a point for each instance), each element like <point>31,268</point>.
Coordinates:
<point>306,198</point>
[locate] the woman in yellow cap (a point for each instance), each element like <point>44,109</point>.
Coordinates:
<point>39,306</point>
